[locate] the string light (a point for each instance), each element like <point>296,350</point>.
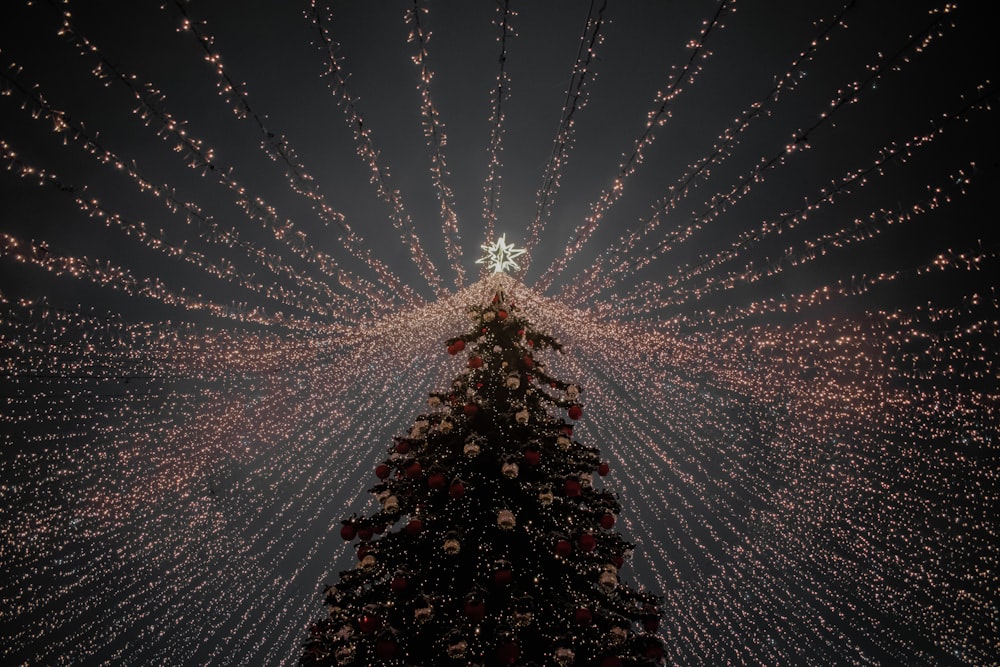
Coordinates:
<point>801,425</point>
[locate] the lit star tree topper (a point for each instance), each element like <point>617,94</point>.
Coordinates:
<point>500,255</point>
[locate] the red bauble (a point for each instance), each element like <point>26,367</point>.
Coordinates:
<point>583,616</point>
<point>398,584</point>
<point>603,469</point>
<point>501,314</point>
<point>532,457</point>
<point>508,653</point>
<point>503,577</point>
<point>563,548</point>
<point>436,481</point>
<point>368,624</point>
<point>520,332</point>
<point>414,470</point>
<point>457,490</point>
<point>457,346</point>
<point>385,649</point>
<point>414,526</point>
<point>452,350</point>
<point>653,651</point>
<point>617,560</point>
<point>567,429</point>
<point>611,661</point>
<point>528,361</point>
<point>575,412</point>
<point>475,362</point>
<point>572,488</point>
<point>608,521</point>
<point>364,550</point>
<point>531,343</point>
<point>475,610</point>
<point>470,409</point>
<point>587,542</point>
<point>382,471</point>
<point>365,533</point>
<point>348,531</point>
<point>403,446</point>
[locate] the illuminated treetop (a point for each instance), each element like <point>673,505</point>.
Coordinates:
<point>500,255</point>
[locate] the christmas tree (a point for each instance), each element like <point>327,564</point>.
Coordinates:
<point>493,546</point>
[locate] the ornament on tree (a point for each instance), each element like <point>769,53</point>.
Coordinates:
<point>572,392</point>
<point>563,548</point>
<point>348,531</point>
<point>603,469</point>
<point>513,381</point>
<point>510,470</point>
<point>608,580</point>
<point>475,362</point>
<point>532,456</point>
<point>423,612</point>
<point>451,544</point>
<point>385,648</point>
<point>456,650</point>
<point>564,656</point>
<point>382,471</point>
<point>563,443</point>
<point>457,489</point>
<point>522,416</point>
<point>505,519</point>
<point>508,653</point>
<point>446,425</point>
<point>575,412</point>
<point>617,635</point>
<point>434,402</point>
<point>471,448</point>
<point>475,608</point>
<point>545,496</point>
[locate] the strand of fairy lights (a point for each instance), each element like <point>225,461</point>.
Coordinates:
<point>34,102</point>
<point>337,82</point>
<point>279,149</point>
<point>501,93</point>
<point>434,133</point>
<point>858,230</point>
<point>577,95</point>
<point>720,202</point>
<point>661,113</point>
<point>199,156</point>
<point>821,491</point>
<point>800,142</point>
<point>583,286</point>
<point>222,269</point>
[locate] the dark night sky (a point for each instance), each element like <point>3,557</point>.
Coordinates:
<point>251,534</point>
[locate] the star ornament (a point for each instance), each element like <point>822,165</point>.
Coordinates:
<point>500,255</point>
